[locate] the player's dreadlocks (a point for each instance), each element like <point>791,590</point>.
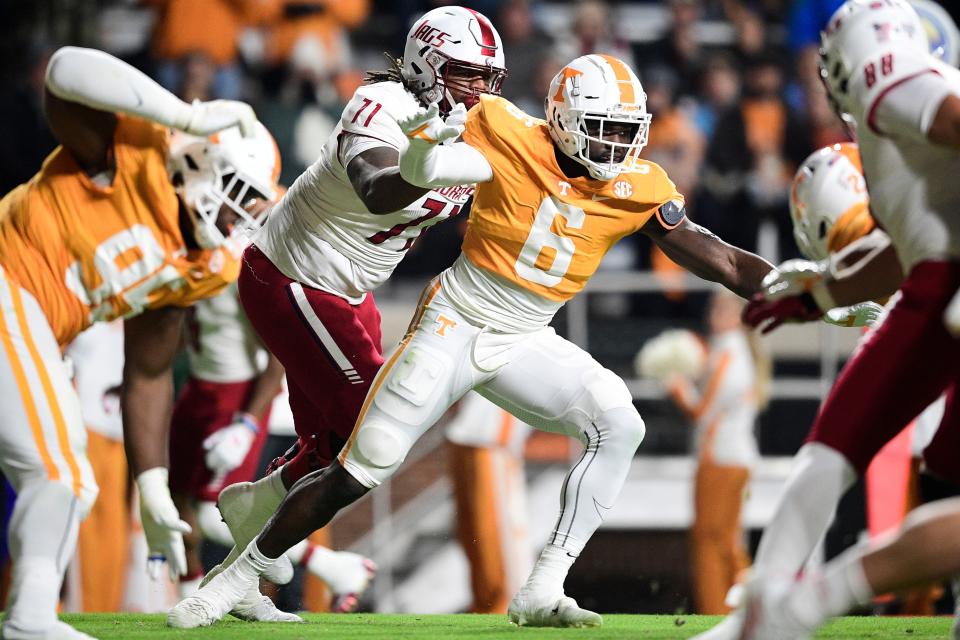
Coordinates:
<point>394,72</point>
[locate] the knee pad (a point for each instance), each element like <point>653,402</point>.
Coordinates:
<point>604,391</point>
<point>624,427</point>
<point>381,444</point>
<point>409,393</point>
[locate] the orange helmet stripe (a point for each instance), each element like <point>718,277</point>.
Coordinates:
<point>624,81</point>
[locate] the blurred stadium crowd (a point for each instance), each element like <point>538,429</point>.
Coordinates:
<point>732,84</point>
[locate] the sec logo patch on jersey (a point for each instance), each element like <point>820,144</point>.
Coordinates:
<point>622,189</point>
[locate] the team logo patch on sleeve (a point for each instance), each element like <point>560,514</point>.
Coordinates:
<point>622,189</point>
<point>672,212</point>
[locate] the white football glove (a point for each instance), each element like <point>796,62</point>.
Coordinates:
<point>427,128</point>
<point>865,314</point>
<point>206,118</point>
<point>227,447</point>
<point>162,525</point>
<point>951,317</point>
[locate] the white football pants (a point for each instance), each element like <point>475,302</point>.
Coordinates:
<point>542,379</point>
<point>43,454</point>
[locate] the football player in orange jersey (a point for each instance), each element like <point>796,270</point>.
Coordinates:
<point>120,221</point>
<point>553,197</point>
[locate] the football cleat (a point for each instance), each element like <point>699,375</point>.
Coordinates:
<point>212,602</point>
<point>59,631</point>
<point>528,609</point>
<point>256,607</point>
<point>766,614</point>
<point>245,508</point>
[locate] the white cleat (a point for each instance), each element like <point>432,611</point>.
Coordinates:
<point>353,577</point>
<point>529,609</point>
<point>767,614</point>
<point>213,601</point>
<point>59,631</point>
<point>256,607</point>
<point>245,508</point>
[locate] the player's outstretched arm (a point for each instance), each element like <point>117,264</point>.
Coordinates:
<point>375,176</point>
<point>701,252</point>
<point>86,87</point>
<point>429,163</point>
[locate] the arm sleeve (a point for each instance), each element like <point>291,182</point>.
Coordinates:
<point>899,92</point>
<point>98,80</point>
<point>910,107</point>
<point>438,165</point>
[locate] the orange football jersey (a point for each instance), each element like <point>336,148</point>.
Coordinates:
<point>540,229</point>
<point>90,253</point>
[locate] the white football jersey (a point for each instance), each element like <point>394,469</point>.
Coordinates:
<point>222,346</point>
<point>912,183</point>
<point>322,235</point>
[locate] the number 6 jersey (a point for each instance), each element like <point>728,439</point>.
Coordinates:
<point>535,236</point>
<point>322,234</point>
<point>89,253</point>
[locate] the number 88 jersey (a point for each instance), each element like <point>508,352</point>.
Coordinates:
<point>88,252</point>
<point>536,236</point>
<point>321,233</point>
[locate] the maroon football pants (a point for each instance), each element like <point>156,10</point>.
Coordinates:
<point>330,349</point>
<point>899,369</point>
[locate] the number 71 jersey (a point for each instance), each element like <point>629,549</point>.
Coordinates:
<point>542,232</point>
<point>322,234</point>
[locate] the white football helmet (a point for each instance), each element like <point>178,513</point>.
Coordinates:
<point>449,38</point>
<point>860,30</point>
<point>223,169</point>
<point>829,205</point>
<point>588,93</point>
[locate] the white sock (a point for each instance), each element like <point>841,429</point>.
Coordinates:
<point>551,569</point>
<point>819,478</point>
<point>252,562</point>
<point>840,587</point>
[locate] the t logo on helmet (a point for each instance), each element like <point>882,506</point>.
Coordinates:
<point>568,73</point>
<point>431,35</point>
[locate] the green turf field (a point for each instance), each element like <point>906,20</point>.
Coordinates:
<point>427,627</point>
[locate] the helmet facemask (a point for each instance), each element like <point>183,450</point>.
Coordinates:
<point>620,156</point>
<point>206,180</point>
<point>457,75</point>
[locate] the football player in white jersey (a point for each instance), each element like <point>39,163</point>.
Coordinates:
<point>556,195</point>
<point>307,279</point>
<point>905,105</point>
